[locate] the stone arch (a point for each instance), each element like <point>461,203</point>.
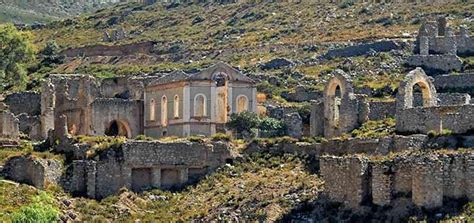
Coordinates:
<point>200,109</point>
<point>405,90</point>
<point>164,111</point>
<point>118,128</point>
<point>338,89</point>
<point>176,106</point>
<point>242,103</point>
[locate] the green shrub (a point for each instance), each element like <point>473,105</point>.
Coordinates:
<point>195,138</point>
<point>244,122</point>
<point>144,138</point>
<point>375,129</point>
<point>42,210</point>
<point>270,127</point>
<point>221,137</point>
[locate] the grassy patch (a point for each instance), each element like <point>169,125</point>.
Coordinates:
<point>375,129</point>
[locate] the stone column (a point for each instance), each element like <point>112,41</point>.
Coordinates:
<point>254,100</point>
<point>156,177</point>
<point>424,45</point>
<point>451,47</point>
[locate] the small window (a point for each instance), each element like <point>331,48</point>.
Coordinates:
<point>242,103</point>
<point>164,111</point>
<point>176,106</point>
<point>200,105</point>
<point>152,110</point>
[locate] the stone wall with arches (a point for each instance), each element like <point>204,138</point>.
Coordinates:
<point>117,117</point>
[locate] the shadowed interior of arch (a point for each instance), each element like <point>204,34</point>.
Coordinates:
<point>117,128</point>
<point>421,95</point>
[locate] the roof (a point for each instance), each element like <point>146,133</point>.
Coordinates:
<point>233,75</point>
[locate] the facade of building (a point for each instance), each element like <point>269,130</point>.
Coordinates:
<point>197,104</point>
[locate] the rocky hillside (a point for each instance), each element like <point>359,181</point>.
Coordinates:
<point>43,11</point>
<point>248,35</point>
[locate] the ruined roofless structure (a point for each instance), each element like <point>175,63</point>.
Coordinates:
<point>176,104</point>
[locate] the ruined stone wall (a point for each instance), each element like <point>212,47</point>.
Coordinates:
<point>346,179</point>
<point>140,165</point>
<point>24,102</point>
<point>34,171</point>
<point>102,50</point>
<point>436,64</point>
<point>458,119</point>
<point>453,99</point>
<point>363,49</point>
<point>30,125</point>
<point>427,179</point>
<point>126,112</point>
<point>379,110</point>
<point>455,83</point>
<point>122,87</point>
<point>9,125</point>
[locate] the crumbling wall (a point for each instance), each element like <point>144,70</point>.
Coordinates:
<point>128,112</point>
<point>30,125</point>
<point>24,102</point>
<point>122,87</point>
<point>9,125</point>
<point>34,171</point>
<point>346,179</point>
<point>140,165</point>
<point>379,110</point>
<point>455,83</point>
<point>454,99</point>
<point>436,64</point>
<point>427,179</point>
<point>458,119</point>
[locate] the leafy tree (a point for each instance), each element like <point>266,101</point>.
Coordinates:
<point>50,54</point>
<point>16,51</point>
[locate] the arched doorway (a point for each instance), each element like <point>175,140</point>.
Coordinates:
<point>118,128</point>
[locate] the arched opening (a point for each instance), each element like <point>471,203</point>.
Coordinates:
<point>152,110</point>
<point>164,111</point>
<point>421,95</point>
<point>337,104</point>
<point>220,79</point>
<point>118,128</point>
<point>200,105</point>
<point>242,103</point>
<point>176,106</point>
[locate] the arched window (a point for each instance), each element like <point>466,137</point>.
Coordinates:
<point>164,111</point>
<point>200,105</point>
<point>152,110</point>
<point>337,104</point>
<point>242,103</point>
<point>176,106</point>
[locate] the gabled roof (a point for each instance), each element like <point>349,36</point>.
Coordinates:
<point>206,74</point>
<point>221,67</point>
<point>174,76</point>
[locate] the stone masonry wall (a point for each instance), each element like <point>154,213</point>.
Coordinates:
<point>346,179</point>
<point>379,110</point>
<point>9,125</point>
<point>427,179</point>
<point>34,171</point>
<point>139,165</point>
<point>458,119</point>
<point>24,102</point>
<point>455,83</point>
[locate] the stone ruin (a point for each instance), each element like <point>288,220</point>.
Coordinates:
<point>135,165</point>
<point>425,180</point>
<point>437,47</point>
<point>430,117</point>
<point>341,110</point>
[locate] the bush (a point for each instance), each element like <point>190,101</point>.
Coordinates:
<point>144,138</point>
<point>221,137</point>
<point>270,127</point>
<point>41,210</point>
<point>244,122</point>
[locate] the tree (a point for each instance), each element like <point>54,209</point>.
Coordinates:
<point>270,127</point>
<point>16,51</point>
<point>244,124</point>
<point>50,54</point>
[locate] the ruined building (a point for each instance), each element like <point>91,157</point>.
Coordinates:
<point>176,104</point>
<point>437,47</point>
